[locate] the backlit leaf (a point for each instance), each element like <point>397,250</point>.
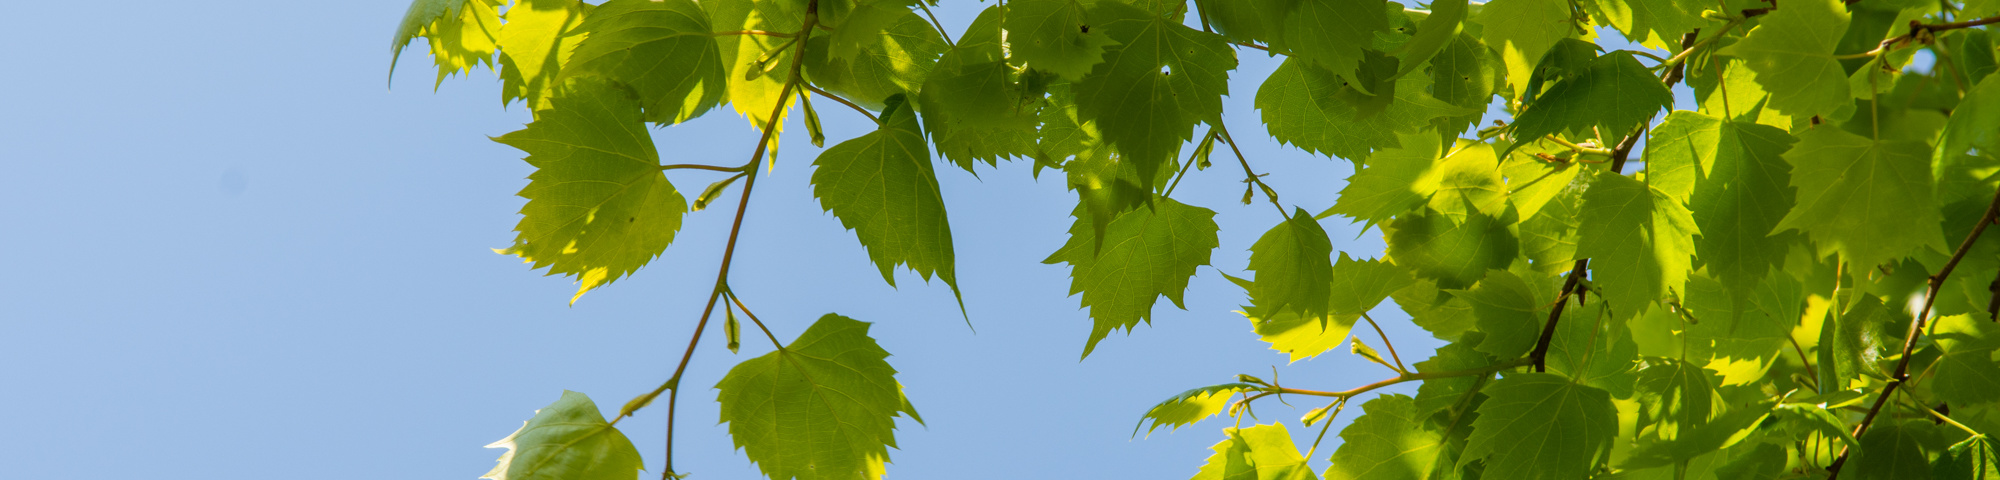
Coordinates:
<point>822,407</point>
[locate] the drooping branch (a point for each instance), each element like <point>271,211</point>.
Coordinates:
<point>792,81</point>
<point>1902,372</point>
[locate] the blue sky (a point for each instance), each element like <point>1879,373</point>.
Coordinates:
<point>237,255</point>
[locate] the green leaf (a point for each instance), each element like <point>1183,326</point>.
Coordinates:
<point>1591,348</point>
<point>1360,285</point>
<point>1791,50</point>
<point>1439,28</point>
<point>1740,200</point>
<point>1508,311</point>
<point>1262,452</point>
<point>1614,96</point>
<point>1387,442</point>
<point>1869,201</point>
<point>881,185</point>
<point>1975,123</point>
<point>973,107</point>
<point>1538,425</point>
<point>893,62</point>
<point>1967,373</point>
<point>598,206</point>
<point>538,39</point>
<point>460,33</point>
<point>1972,459</point>
<point>1302,105</point>
<point>567,440</point>
<point>1468,180</point>
<point>1333,33</point>
<point>1294,266</point>
<point>1453,253</point>
<point>1639,241</point>
<point>1521,31</point>
<point>1893,451</point>
<point>1191,406</point>
<point>1721,432</point>
<point>1152,89</point>
<point>1533,182</point>
<point>822,407</point>
<point>1548,239</point>
<point>1654,23</point>
<point>757,67</point>
<point>1392,182</point>
<point>1445,315</point>
<point>1301,337</point>
<point>1462,75</point>
<point>1145,253</point>
<point>1740,343</point>
<point>1055,35</point>
<point>629,41</point>
<point>1675,397</point>
<point>1437,394</point>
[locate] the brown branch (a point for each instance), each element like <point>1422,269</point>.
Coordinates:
<point>1902,372</point>
<point>750,32</point>
<point>696,166</point>
<point>1386,343</point>
<point>1407,377</point>
<point>843,101</point>
<point>1541,352</point>
<point>735,229</point>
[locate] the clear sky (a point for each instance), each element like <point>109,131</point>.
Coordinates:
<point>239,255</point>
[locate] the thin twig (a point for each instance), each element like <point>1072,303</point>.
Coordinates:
<point>750,32</point>
<point>1539,356</point>
<point>1386,343</point>
<point>696,166</point>
<point>1407,377</point>
<point>1253,177</point>
<point>753,317</point>
<point>735,229</point>
<point>939,25</point>
<point>843,101</point>
<point>1902,372</point>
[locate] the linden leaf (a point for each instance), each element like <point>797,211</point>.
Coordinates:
<point>972,105</point>
<point>1538,425</point>
<point>1145,253</point>
<point>1294,266</point>
<point>1360,285</point>
<point>536,42</point>
<point>881,185</point>
<point>1152,89</point>
<point>1453,253</point>
<point>1301,104</point>
<point>1870,201</point>
<point>1392,182</point>
<point>1676,397</point>
<point>1262,452</point>
<point>1055,35</point>
<point>894,60</point>
<point>1611,98</point>
<point>1521,31</point>
<point>1191,406</point>
<point>1638,239</point>
<point>1301,337</point>
<point>460,33</point>
<point>1387,442</point>
<point>1967,373</point>
<point>1740,199</point>
<point>1333,33</point>
<point>1509,311</point>
<point>822,407</point>
<point>598,205</point>
<point>567,440</point>
<point>758,65</point>
<point>1791,50</point>
<point>631,40</point>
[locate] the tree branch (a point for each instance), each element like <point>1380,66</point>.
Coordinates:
<point>1539,356</point>
<point>1407,377</point>
<point>1902,372</point>
<point>843,101</point>
<point>1386,343</point>
<point>735,229</point>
